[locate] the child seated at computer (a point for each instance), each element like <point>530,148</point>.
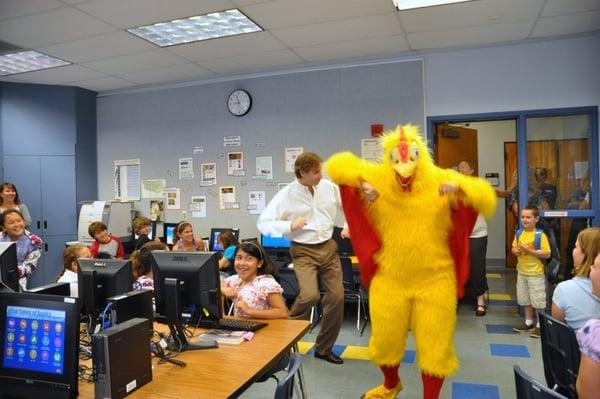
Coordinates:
<point>253,290</point>
<point>141,265</point>
<point>105,245</point>
<point>185,240</point>
<point>141,228</point>
<point>229,243</point>
<point>69,273</point>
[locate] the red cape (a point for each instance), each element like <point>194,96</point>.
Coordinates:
<point>369,242</point>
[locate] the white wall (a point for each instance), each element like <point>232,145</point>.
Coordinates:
<point>549,74</point>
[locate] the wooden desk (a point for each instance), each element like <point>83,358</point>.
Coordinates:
<point>223,372</point>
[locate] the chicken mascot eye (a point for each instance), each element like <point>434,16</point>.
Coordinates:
<point>414,153</point>
<point>394,155</point>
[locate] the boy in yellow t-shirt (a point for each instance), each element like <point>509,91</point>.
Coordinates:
<point>531,280</point>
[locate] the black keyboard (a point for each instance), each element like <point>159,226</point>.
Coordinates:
<point>240,325</point>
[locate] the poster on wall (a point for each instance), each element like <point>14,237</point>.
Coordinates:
<point>153,188</point>
<point>157,208</point>
<point>235,163</point>
<point>127,179</point>
<point>173,198</point>
<point>208,174</point>
<point>291,153</point>
<point>256,202</point>
<point>264,168</point>
<point>198,206</point>
<point>227,198</point>
<point>232,141</point>
<point>371,149</point>
<point>186,168</point>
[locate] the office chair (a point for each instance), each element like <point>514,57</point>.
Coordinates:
<point>529,388</point>
<point>560,353</point>
<point>287,279</point>
<point>354,292</point>
<point>285,387</point>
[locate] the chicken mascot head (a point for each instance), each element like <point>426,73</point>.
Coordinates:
<point>412,245</point>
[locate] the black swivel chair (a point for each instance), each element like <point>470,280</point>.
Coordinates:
<point>560,352</point>
<point>528,388</point>
<point>354,292</point>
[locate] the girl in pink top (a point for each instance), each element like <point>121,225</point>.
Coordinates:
<point>254,292</point>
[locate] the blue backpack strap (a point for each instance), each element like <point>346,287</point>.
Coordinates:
<point>537,241</point>
<point>518,234</point>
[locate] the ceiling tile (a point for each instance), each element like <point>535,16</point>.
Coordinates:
<point>51,27</point>
<point>59,75</point>
<point>97,47</point>
<point>241,3</point>
<point>253,62</point>
<point>135,62</point>
<point>567,24</point>
<point>474,13</point>
<point>104,84</point>
<point>340,31</point>
<point>169,74</point>
<point>353,49</point>
<point>19,8</point>
<point>133,13</point>
<point>227,46</point>
<point>286,13</point>
<point>470,36</point>
<point>561,7</point>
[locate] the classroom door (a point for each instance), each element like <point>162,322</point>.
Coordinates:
<point>454,143</point>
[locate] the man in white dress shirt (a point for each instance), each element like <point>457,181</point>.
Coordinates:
<point>304,211</point>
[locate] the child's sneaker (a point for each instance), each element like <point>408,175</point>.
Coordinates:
<point>535,333</point>
<point>523,328</point>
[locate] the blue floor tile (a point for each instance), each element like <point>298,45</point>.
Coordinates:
<point>462,390</point>
<point>338,349</point>
<point>509,350</point>
<point>409,357</point>
<point>502,303</point>
<point>499,329</point>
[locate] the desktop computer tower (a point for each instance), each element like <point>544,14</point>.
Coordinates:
<point>131,304</point>
<point>121,358</point>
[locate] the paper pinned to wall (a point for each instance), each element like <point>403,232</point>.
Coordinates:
<point>371,149</point>
<point>198,206</point>
<point>208,174</point>
<point>256,202</point>
<point>291,153</point>
<point>186,168</point>
<point>173,198</point>
<point>264,168</point>
<point>153,188</point>
<point>235,163</point>
<point>127,179</point>
<point>232,141</point>
<point>227,198</point>
<point>581,169</point>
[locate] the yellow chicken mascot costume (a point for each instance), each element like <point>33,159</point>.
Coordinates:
<point>412,246</point>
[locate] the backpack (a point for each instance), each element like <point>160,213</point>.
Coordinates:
<point>552,264</point>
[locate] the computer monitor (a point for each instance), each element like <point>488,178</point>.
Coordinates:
<point>9,273</point>
<point>39,337</point>
<point>169,232</point>
<point>151,234</point>
<point>344,244</point>
<point>215,232</point>
<point>60,289</point>
<point>186,282</point>
<point>99,279</point>
<point>278,247</point>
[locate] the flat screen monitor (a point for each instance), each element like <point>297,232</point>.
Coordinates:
<point>39,337</point>
<point>274,242</point>
<point>9,272</point>
<point>151,234</point>
<point>344,244</point>
<point>169,232</point>
<point>215,232</point>
<point>60,289</point>
<point>187,282</point>
<point>99,279</point>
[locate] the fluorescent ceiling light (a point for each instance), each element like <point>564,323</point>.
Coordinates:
<point>192,29</point>
<point>27,61</point>
<point>402,5</point>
